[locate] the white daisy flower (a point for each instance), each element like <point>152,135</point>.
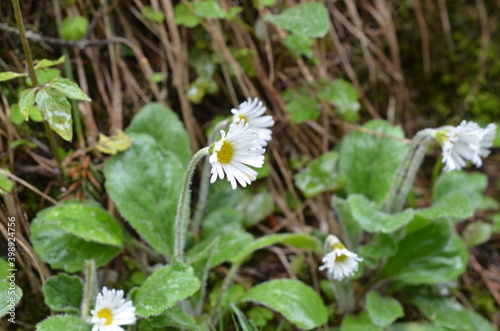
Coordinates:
<point>252,112</point>
<point>233,152</point>
<point>340,262</point>
<point>466,142</point>
<point>111,310</point>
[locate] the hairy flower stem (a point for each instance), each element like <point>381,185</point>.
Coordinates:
<point>201,204</point>
<point>34,79</point>
<point>90,290</point>
<point>407,170</point>
<point>182,217</point>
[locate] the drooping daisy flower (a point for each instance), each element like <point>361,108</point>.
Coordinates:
<point>112,310</point>
<point>466,142</point>
<point>233,152</point>
<point>252,112</point>
<point>340,262</point>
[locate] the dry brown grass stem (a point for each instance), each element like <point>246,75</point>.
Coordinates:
<point>29,186</point>
<point>424,35</point>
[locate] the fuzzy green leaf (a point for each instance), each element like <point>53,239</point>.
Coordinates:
<point>145,183</point>
<point>9,298</point>
<point>164,288</point>
<point>383,311</point>
<point>56,110</point>
<point>63,323</point>
<point>299,303</point>
<point>26,102</point>
<point>360,322</point>
<point>69,89</point>
<point>63,293</point>
<point>307,19</point>
<point>470,184</point>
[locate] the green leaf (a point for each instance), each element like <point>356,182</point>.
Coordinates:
<point>299,240</point>
<point>111,145</point>
<point>156,16</point>
<point>63,323</point>
<point>74,28</point>
<point>308,19</point>
<point>382,245</point>
<point>16,143</point>
<point>383,311</point>
<point>351,226</point>
<point>6,184</point>
<point>291,298</point>
<point>361,322</point>
<point>472,185</point>
<point>300,106</point>
<point>145,183</point>
<point>212,9</point>
<point>164,126</point>
<point>56,110</point>
<point>164,288</point>
<point>256,207</point>
<point>477,233</point>
<point>173,317</point>
<point>64,293</point>
<point>320,176</point>
<point>451,315</point>
<point>183,16</point>
<point>15,115</point>
<point>343,95</point>
<point>430,254</point>
<point>67,235</point>
<point>299,45</point>
<point>227,245</point>
<point>456,206</point>
<point>36,114</point>
<point>26,102</point>
<point>44,63</point>
<point>371,219</point>
<point>368,162</point>
<point>412,326</point>
<point>8,75</point>
<point>69,89</point>
<point>222,221</point>
<point>10,295</point>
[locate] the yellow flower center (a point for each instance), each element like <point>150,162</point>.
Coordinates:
<point>243,118</point>
<point>225,154</point>
<point>342,257</point>
<point>105,313</point>
<point>441,137</point>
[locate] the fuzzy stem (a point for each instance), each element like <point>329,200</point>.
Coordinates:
<point>182,217</point>
<point>90,289</point>
<point>407,171</point>
<point>201,204</point>
<point>34,79</point>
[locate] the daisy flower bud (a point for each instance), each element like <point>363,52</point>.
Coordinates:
<point>466,142</point>
<point>340,262</point>
<point>233,152</point>
<point>112,310</point>
<point>252,112</point>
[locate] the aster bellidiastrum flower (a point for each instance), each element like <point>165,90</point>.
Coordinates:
<point>112,310</point>
<point>467,141</point>
<point>340,262</point>
<point>233,152</point>
<point>252,112</point>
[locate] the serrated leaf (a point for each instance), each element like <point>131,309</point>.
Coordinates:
<point>366,213</point>
<point>56,110</point>
<point>112,145</point>
<point>8,75</point>
<point>295,239</point>
<point>360,322</point>
<point>63,293</point>
<point>69,89</point>
<point>44,63</point>
<point>368,162</point>
<point>164,288</point>
<point>67,235</point>
<point>308,19</point>
<point>299,303</point>
<point>9,297</point>
<point>383,311</point>
<point>320,176</point>
<point>26,102</point>
<point>145,183</point>
<point>63,323</point>
<point>430,254</point>
<point>164,125</point>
